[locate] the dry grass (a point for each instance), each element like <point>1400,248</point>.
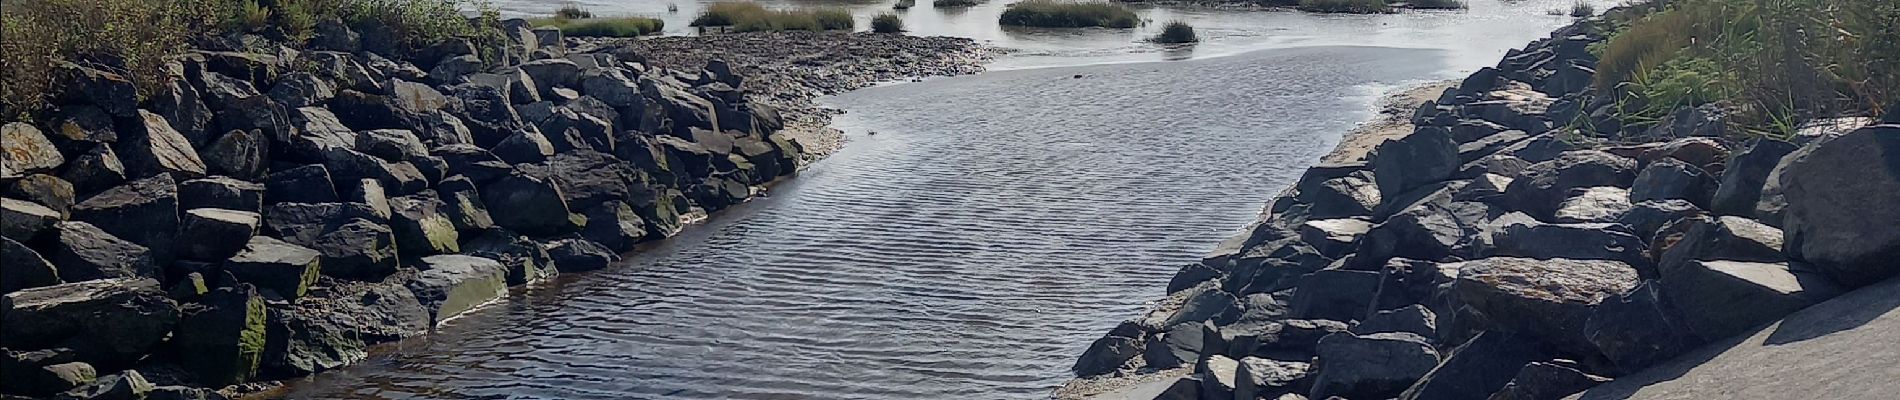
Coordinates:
<point>752,17</point>
<point>1056,14</point>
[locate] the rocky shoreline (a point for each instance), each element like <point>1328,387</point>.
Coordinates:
<point>274,211</point>
<point>1515,242</point>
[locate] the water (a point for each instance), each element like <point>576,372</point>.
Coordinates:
<point>993,226</point>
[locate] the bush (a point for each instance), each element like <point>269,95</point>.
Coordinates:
<point>953,3</point>
<point>572,12</point>
<point>751,17</point>
<point>1582,9</point>
<point>1176,32</point>
<point>887,23</point>
<point>1439,4</point>
<point>1053,14</point>
<point>605,27</point>
<point>135,38</point>
<point>1345,6</point>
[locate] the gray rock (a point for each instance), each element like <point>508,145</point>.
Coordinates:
<point>1477,368</point>
<point>1177,388</point>
<point>421,227</point>
<point>1841,215</point>
<point>27,151</point>
<point>1473,150</point>
<point>285,269</point>
<point>305,340</point>
<point>1106,355</point>
<point>216,233</point>
<point>318,131</point>
<point>97,170</point>
<point>125,385</point>
<point>1542,299</point>
<point>74,128</point>
<point>1724,238</point>
<point>399,178</point>
<point>1745,175</point>
<point>1646,218</point>
<point>452,284</point>
<point>613,225</point>
<point>224,336</point>
<point>526,146</point>
<point>1375,366</point>
<point>1415,319</point>
<point>1596,204</point>
<point>46,190</point>
<point>83,252</point>
<point>1337,295</point>
<point>576,255</point>
<point>152,147</point>
<point>1434,229</point>
<point>1497,164</point>
<point>1218,376</point>
<point>303,223</point>
<point>358,249</point>
<point>524,260</point>
<point>1672,179</point>
<point>1545,380</point>
<point>222,91</point>
<point>239,153</point>
<point>21,267</point>
<point>23,220</point>
<point>27,378</point>
<point>536,205</point>
<point>1518,235</point>
<point>391,144</point>
<point>1638,329</point>
<point>1214,305</point>
<point>1261,377</point>
<point>369,193</point>
<point>1542,187</point>
<point>305,184</point>
<point>1180,345</point>
<point>1333,237</point>
<point>221,192</point>
<point>551,73</point>
<point>302,90</point>
<point>111,92</point>
<point>143,212</point>
<point>1724,298</point>
<point>105,322</point>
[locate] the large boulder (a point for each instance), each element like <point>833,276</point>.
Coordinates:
<point>311,338</point>
<point>125,385</point>
<point>1434,229</point>
<point>1542,187</point>
<point>536,206</point>
<point>1259,377</point>
<point>1745,174</point>
<point>576,255</point>
<point>1543,299</point>
<point>1672,179</point>
<point>1416,319</point>
<point>421,226</point>
<point>84,252</point>
<point>216,233</point>
<point>304,184</point>
<point>1477,368</point>
<point>1638,328</point>
<point>452,284</point>
<point>224,335</point>
<point>1375,366</point>
<point>221,192</point>
<point>284,269</point>
<point>47,190</point>
<point>1595,204</point>
<point>1724,238</point>
<point>108,322</point>
<point>1546,380</point>
<point>356,249</point>
<point>1338,295</point>
<point>152,147</point>
<point>1106,355</point>
<point>97,169</point>
<point>1424,157</point>
<point>143,211</point>
<point>42,373</point>
<point>21,267</point>
<point>27,151</point>
<point>1724,298</point>
<point>1841,215</point>
<point>1518,235</point>
<point>612,224</point>
<point>23,220</point>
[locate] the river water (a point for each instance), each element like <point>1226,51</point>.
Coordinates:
<point>975,244</point>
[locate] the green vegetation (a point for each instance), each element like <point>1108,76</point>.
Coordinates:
<point>1438,4</point>
<point>1055,14</point>
<point>887,23</point>
<point>752,17</point>
<point>572,12</point>
<point>1345,6</point>
<point>1773,63</point>
<point>1582,9</point>
<point>605,27</point>
<point>1176,32</point>
<point>953,3</point>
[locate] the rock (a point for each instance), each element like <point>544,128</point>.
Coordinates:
<point>1177,388</point>
<point>1638,328</point>
<point>421,228</point>
<point>152,147</point>
<point>224,336</point>
<point>1217,373</point>
<point>307,340</point>
<point>358,249</point>
<point>1543,186</point>
<point>45,380</point>
<point>1415,319</point>
<point>464,208</point>
<point>1333,237</point>
<point>1214,305</point>
<point>1337,295</point>
<point>398,178</point>
<point>550,73</point>
<point>1725,238</point>
<point>1261,377</point>
<point>1518,235</point>
<point>1476,368</point>
<point>1434,229</point>
<point>524,260</point>
<point>239,153</point>
<point>1292,339</point>
<point>1473,150</point>
<point>221,192</point>
<point>1724,298</point>
<point>75,128</point>
<point>21,267</point>
<point>1646,218</point>
<point>106,322</point>
<point>46,190</point>
<point>143,212</point>
<point>577,255</point>
<point>188,288</point>
<point>1840,215</point>
<point>284,269</point>
<point>183,393</point>
<point>302,90</point>
<point>613,225</point>
<point>386,311</point>
<point>216,232</point>
<point>317,133</point>
<point>221,91</point>
<point>23,220</point>
<point>27,151</point>
<point>126,385</point>
<point>452,68</point>
<point>1375,366</point>
<point>1542,299</point>
<point>303,223</point>
<point>1544,380</point>
<point>1106,355</point>
<point>1596,204</point>
<point>84,252</point>
<point>97,170</point>
<point>391,144</point>
<point>1180,345</point>
<point>536,205</point>
<point>1671,179</point>
<point>526,146</point>
<point>305,184</point>
<point>1745,175</point>
<point>452,284</point>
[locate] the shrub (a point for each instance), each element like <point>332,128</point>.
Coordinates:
<point>1176,32</point>
<point>1439,4</point>
<point>135,38</point>
<point>1582,9</point>
<point>407,25</point>
<point>572,12</point>
<point>751,17</point>
<point>1345,6</point>
<point>887,23</point>
<point>1053,14</point>
<point>953,3</point>
<point>605,27</point>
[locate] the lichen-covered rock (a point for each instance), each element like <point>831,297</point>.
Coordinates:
<point>613,225</point>
<point>421,227</point>
<point>47,190</point>
<point>125,385</point>
<point>42,373</point>
<point>27,151</point>
<point>452,284</point>
<point>303,340</point>
<point>525,260</point>
<point>84,252</point>
<point>285,269</point>
<point>223,334</point>
<point>107,322</point>
<point>143,211</point>
<point>357,249</point>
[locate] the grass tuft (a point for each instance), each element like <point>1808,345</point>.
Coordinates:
<point>1055,14</point>
<point>1438,4</point>
<point>605,27</point>
<point>887,23</point>
<point>752,17</point>
<point>572,12</point>
<point>1582,9</point>
<point>1345,6</point>
<point>1176,32</point>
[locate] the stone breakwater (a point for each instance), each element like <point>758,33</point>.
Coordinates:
<point>271,212</point>
<point>1503,250</point>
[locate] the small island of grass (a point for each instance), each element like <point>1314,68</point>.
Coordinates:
<point>752,17</point>
<point>1176,32</point>
<point>575,21</point>
<point>1058,14</point>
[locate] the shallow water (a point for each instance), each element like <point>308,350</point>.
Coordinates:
<point>971,248</point>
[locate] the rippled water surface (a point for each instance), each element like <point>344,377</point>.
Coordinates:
<point>973,246</point>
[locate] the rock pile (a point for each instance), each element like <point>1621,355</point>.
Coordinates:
<point>1499,252</point>
<point>270,212</point>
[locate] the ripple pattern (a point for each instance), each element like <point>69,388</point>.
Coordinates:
<point>970,250</point>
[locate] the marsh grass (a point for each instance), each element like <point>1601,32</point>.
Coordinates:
<point>1438,4</point>
<point>1176,32</point>
<point>887,23</point>
<point>752,17</point>
<point>1345,6</point>
<point>1056,14</point>
<point>953,3</point>
<point>605,27</point>
<point>1582,9</point>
